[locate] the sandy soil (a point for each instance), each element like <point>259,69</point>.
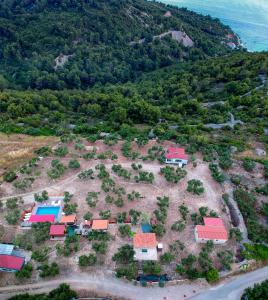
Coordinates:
<point>176,192</point>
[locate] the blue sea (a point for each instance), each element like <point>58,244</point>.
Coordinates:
<point>248,18</point>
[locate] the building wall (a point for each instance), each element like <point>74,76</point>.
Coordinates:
<point>174,162</point>
<point>151,254</point>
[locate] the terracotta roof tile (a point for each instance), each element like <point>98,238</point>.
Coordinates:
<point>100,224</point>
<point>145,240</point>
<point>68,219</point>
<point>57,230</point>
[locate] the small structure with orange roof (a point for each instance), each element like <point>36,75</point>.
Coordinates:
<point>145,246</point>
<point>68,220</point>
<point>212,230</point>
<point>100,225</point>
<point>57,232</point>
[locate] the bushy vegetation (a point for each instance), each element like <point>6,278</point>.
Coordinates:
<point>173,175</point>
<point>195,186</point>
<point>247,205</point>
<point>258,292</point>
<point>62,292</point>
<point>87,260</point>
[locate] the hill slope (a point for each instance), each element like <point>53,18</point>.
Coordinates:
<point>76,44</point>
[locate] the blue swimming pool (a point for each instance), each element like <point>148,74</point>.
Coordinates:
<point>48,210</point>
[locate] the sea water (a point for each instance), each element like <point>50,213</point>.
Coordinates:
<point>247,18</point>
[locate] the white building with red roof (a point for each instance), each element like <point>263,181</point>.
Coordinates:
<point>212,230</point>
<point>145,246</point>
<point>176,156</point>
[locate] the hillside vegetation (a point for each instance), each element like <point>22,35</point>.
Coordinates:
<point>190,94</point>
<point>77,44</point>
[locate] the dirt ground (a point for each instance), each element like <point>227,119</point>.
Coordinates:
<point>176,192</point>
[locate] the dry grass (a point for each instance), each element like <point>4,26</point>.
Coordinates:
<point>18,148</point>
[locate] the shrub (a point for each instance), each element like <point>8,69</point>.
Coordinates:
<point>236,179</point>
<point>47,270</point>
<point>130,271</point>
<point>41,232</point>
<point>41,198</point>
<point>124,255</point>
<point>87,260</point>
<point>216,174</point>
<point>70,208</point>
<point>12,203</point>
<point>151,268</point>
<point>147,177</point>
<point>235,232</point>
<point>212,275</point>
<point>125,230</point>
<point>87,174</point>
<point>61,151</point>
<point>195,187</point>
<point>74,164</point>
<point>258,292</point>
<point>57,169</point>
<point>159,230</point>
<point>24,183</point>
<point>13,216</point>
<point>40,255</point>
<point>173,175</point>
<point>100,247</point>
<point>256,251</point>
<point>9,176</point>
<point>25,272</point>
<point>249,164</point>
<point>92,199</point>
<point>167,258</point>
<point>88,216</point>
<point>184,211</point>
<point>105,214</point>
<point>178,226</point>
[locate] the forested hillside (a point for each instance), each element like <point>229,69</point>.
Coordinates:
<point>183,95</point>
<point>71,44</point>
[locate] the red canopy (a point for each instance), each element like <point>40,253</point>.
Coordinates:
<point>42,218</point>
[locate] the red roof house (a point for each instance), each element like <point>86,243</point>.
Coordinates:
<point>57,231</point>
<point>11,263</point>
<point>145,246</point>
<point>175,155</point>
<point>42,218</point>
<point>213,230</point>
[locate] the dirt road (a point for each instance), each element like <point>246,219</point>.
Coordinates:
<point>108,285</point>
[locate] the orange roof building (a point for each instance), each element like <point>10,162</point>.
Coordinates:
<point>212,230</point>
<point>71,219</point>
<point>100,224</point>
<point>145,246</point>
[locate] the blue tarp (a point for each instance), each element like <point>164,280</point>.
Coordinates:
<point>146,227</point>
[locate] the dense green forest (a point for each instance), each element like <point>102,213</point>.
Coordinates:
<point>178,94</point>
<point>94,36</point>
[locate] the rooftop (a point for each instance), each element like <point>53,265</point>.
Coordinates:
<point>6,249</point>
<point>11,262</point>
<point>213,229</point>
<point>213,222</point>
<point>42,218</point>
<point>68,219</point>
<point>100,224</point>
<point>57,230</point>
<point>145,240</point>
<point>175,152</point>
